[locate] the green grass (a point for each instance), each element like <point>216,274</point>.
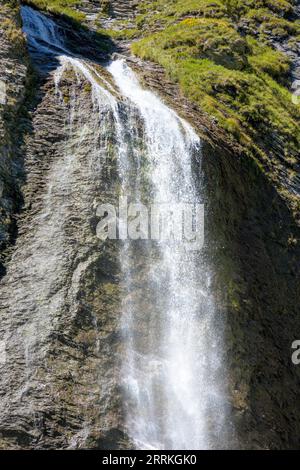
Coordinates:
<point>265,23</point>
<point>263,59</point>
<point>219,52</point>
<point>11,27</point>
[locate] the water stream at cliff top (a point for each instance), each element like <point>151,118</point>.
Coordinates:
<point>172,372</point>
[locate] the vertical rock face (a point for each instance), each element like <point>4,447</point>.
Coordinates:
<point>60,328</point>
<point>13,74</point>
<point>60,383</point>
<point>257,265</point>
<point>253,244</point>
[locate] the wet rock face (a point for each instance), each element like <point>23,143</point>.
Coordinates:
<point>256,257</point>
<point>13,77</point>
<point>59,384</point>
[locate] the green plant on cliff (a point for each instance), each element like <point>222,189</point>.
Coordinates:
<point>14,34</point>
<point>221,55</point>
<point>11,27</point>
<point>219,52</point>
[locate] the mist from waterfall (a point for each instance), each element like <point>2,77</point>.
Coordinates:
<point>173,371</point>
<point>173,368</point>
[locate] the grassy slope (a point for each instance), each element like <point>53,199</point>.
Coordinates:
<point>237,79</point>
<point>232,73</point>
<point>220,53</point>
<point>11,27</point>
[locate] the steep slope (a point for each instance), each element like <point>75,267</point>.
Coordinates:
<point>59,377</point>
<point>13,79</point>
<point>226,76</point>
<point>226,58</point>
<point>236,61</point>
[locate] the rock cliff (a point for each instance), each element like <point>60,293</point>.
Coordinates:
<point>14,83</point>
<point>60,388</point>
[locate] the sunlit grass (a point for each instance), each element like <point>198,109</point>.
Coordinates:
<point>239,79</point>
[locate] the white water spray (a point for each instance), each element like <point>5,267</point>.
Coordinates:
<point>173,370</point>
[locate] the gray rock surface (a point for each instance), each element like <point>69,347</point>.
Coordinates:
<point>60,299</point>
<point>13,77</point>
<point>59,383</point>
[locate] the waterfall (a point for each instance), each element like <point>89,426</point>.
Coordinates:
<point>43,34</point>
<point>173,366</point>
<point>173,373</point>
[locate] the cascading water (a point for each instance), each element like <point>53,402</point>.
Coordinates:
<point>43,35</point>
<point>172,370</point>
